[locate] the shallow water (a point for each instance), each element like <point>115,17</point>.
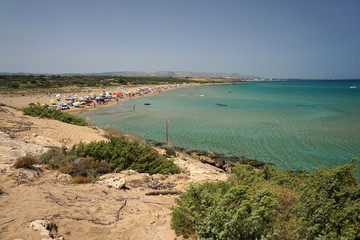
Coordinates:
<point>292,124</point>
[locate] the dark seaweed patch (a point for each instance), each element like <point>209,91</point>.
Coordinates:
<point>221,105</point>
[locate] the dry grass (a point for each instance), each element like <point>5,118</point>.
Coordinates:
<point>112,132</point>
<point>24,162</point>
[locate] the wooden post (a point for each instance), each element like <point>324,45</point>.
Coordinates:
<point>167,132</point>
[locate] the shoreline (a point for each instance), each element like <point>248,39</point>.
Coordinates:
<point>24,98</point>
<point>113,102</point>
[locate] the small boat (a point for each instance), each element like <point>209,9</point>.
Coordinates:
<point>146,103</point>
<point>353,87</point>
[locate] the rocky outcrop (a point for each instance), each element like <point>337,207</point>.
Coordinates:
<point>213,160</point>
<point>46,228</point>
<point>115,182</point>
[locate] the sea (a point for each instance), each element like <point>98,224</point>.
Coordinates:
<point>296,125</point>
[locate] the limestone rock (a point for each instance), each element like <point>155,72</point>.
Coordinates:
<point>115,182</point>
<point>211,154</point>
<point>206,159</point>
<point>227,167</point>
<point>219,162</point>
<point>45,228</point>
<point>195,155</point>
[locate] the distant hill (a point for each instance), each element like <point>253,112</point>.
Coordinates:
<point>150,74</point>
<point>177,74</point>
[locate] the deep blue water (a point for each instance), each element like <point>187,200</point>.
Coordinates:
<point>292,124</point>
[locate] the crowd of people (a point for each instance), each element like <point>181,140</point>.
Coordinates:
<point>68,102</point>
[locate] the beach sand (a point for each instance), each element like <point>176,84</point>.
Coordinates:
<point>19,99</point>
<point>80,211</point>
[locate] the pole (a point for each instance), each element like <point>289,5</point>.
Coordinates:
<point>167,132</point>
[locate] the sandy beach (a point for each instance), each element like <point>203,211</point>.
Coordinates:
<point>32,200</point>
<point>19,99</point>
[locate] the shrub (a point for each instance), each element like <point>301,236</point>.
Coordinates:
<point>272,204</point>
<point>95,158</point>
<point>112,132</point>
<point>81,180</point>
<point>222,211</point>
<point>123,155</point>
<point>54,157</point>
<point>25,162</point>
<point>170,151</point>
<point>39,111</point>
<point>84,167</point>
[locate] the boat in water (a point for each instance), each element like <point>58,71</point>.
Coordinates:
<point>353,87</point>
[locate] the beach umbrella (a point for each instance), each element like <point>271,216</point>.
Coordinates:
<point>52,101</point>
<point>31,103</point>
<point>76,95</point>
<point>58,95</point>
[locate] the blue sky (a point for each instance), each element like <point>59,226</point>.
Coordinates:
<point>268,38</point>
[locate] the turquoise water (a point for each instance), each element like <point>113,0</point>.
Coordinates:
<point>292,124</point>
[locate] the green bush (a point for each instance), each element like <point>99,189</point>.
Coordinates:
<point>96,158</point>
<point>54,157</point>
<point>122,155</point>
<point>39,111</point>
<point>84,167</point>
<point>223,211</point>
<point>170,151</point>
<point>25,162</point>
<point>272,204</point>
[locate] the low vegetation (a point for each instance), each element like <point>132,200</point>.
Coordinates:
<point>88,161</point>
<point>26,82</point>
<point>170,151</point>
<point>25,162</point>
<point>39,111</point>
<point>111,132</point>
<point>272,204</point>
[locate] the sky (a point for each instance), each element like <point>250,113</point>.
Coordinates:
<point>266,38</point>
